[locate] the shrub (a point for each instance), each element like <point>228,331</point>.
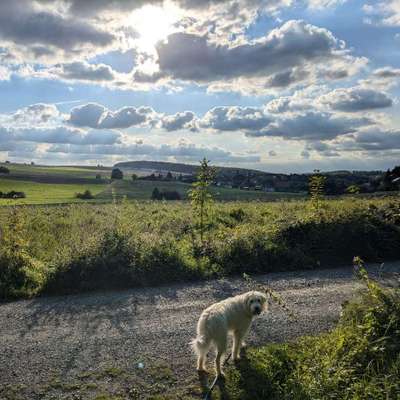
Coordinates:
<point>360,359</point>
<point>116,173</point>
<point>86,195</point>
<point>20,274</point>
<point>4,170</point>
<point>165,195</point>
<point>12,195</point>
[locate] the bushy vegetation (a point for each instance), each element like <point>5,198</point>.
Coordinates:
<point>87,246</point>
<point>86,195</point>
<point>165,194</point>
<point>360,359</point>
<point>12,195</point>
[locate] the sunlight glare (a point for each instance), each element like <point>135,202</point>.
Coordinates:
<point>154,24</point>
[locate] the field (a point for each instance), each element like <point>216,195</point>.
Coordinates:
<point>46,193</point>
<point>52,185</point>
<point>87,246</point>
<point>121,239</point>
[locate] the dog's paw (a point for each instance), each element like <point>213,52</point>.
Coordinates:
<point>221,376</point>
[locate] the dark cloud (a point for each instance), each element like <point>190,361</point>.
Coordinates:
<point>356,99</point>
<point>311,126</point>
<point>286,78</point>
<point>22,24</point>
<point>87,115</point>
<point>190,57</point>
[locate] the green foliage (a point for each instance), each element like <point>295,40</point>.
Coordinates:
<point>12,195</point>
<point>20,274</point>
<point>116,173</point>
<point>88,246</point>
<point>200,195</point>
<point>353,189</point>
<point>316,187</point>
<point>165,195</point>
<point>86,195</point>
<point>360,359</point>
<point>4,170</point>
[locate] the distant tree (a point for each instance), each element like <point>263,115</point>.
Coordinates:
<point>32,163</point>
<point>156,194</point>
<point>4,170</point>
<point>98,176</point>
<point>7,162</point>
<point>12,195</point>
<point>134,177</point>
<point>396,171</point>
<point>387,181</point>
<point>171,195</point>
<point>86,195</point>
<point>169,176</point>
<point>116,173</point>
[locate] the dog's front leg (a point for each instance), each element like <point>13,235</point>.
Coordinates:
<point>238,337</point>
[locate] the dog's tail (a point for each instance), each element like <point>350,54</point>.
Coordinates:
<point>199,345</point>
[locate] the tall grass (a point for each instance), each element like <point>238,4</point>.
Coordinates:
<point>359,359</point>
<point>84,247</point>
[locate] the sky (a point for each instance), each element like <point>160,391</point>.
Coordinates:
<point>275,85</point>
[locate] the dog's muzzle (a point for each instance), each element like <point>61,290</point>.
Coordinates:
<point>257,311</point>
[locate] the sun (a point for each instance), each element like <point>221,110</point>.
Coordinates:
<point>154,24</point>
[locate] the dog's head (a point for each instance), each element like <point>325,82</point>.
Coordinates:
<point>256,302</point>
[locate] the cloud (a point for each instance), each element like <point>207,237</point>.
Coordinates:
<point>372,139</point>
<point>87,115</point>
<point>96,116</point>
<point>165,151</point>
<point>311,125</point>
<point>356,99</point>
<point>35,114</point>
<point>83,71</point>
<point>387,72</point>
<point>191,57</point>
<point>385,12</point>
<point>180,120</point>
<point>235,118</point>
<point>59,135</point>
<point>23,24</point>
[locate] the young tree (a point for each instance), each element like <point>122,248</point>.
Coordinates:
<point>134,177</point>
<point>316,187</point>
<point>116,173</point>
<point>200,195</point>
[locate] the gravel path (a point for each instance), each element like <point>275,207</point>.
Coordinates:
<point>51,346</point>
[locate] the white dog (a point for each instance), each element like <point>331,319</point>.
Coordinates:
<point>231,315</point>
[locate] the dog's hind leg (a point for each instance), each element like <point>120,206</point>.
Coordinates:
<point>220,342</point>
<point>201,345</point>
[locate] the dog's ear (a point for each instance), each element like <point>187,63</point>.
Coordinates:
<point>264,298</point>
